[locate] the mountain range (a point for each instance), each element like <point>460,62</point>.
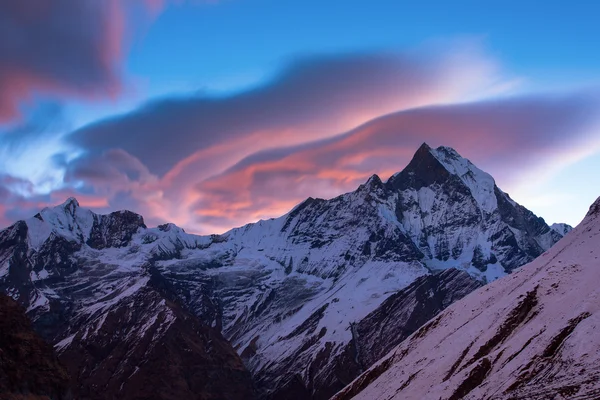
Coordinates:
<point>292,307</point>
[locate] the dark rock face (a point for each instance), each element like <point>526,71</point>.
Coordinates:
<point>424,170</point>
<point>150,348</point>
<point>29,367</point>
<point>404,312</point>
<point>520,218</point>
<point>115,229</point>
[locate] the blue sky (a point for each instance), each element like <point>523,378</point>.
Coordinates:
<point>224,78</point>
<point>200,45</point>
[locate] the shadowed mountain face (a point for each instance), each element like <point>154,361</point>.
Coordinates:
<point>376,334</point>
<point>531,335</point>
<point>29,367</point>
<point>289,294</point>
<point>149,348</point>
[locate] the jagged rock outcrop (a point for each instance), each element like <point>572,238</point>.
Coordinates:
<point>286,291</point>
<point>530,335</point>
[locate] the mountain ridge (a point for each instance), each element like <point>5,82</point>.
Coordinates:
<point>288,288</point>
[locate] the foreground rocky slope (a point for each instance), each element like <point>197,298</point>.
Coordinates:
<point>29,367</point>
<point>147,347</point>
<point>289,294</point>
<point>531,335</point>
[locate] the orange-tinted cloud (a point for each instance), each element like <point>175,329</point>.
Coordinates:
<point>503,136</point>
<point>212,163</point>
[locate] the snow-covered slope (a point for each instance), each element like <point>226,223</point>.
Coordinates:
<point>531,335</point>
<point>283,289</point>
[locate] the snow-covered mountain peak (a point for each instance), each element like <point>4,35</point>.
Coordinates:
<point>435,166</point>
<point>170,227</point>
<point>423,170</point>
<point>373,185</point>
<point>80,225</point>
<point>71,204</point>
<point>374,180</point>
<point>67,220</point>
<point>480,183</point>
<point>561,228</point>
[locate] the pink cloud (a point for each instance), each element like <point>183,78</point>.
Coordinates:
<point>66,48</point>
<point>224,186</point>
<point>500,136</point>
<point>311,98</point>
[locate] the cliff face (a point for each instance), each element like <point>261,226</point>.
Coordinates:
<point>29,367</point>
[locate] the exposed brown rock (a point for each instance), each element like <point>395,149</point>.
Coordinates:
<point>474,379</point>
<point>135,356</point>
<point>516,317</point>
<point>29,368</point>
<point>556,342</point>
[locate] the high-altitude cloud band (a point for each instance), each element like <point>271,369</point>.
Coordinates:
<point>312,98</point>
<point>319,128</point>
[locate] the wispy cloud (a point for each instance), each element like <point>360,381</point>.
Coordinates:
<point>310,99</point>
<point>505,136</point>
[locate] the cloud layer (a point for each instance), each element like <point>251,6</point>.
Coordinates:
<point>62,46</point>
<point>506,137</point>
<point>319,128</point>
<point>214,163</point>
<point>310,99</point>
